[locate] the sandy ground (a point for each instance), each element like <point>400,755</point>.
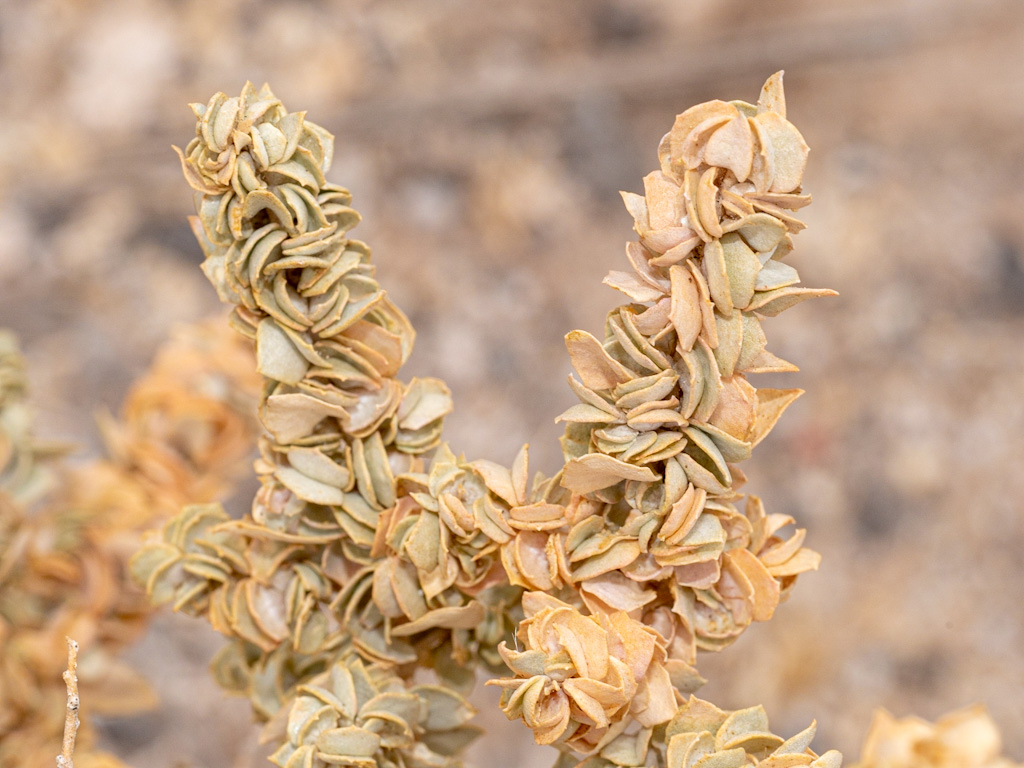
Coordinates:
<point>485,145</point>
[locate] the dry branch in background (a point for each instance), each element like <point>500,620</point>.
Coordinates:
<point>184,434</point>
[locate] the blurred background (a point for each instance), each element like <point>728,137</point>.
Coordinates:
<point>485,145</point>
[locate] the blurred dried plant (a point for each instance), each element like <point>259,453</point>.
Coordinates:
<point>967,738</point>
<point>373,552</point>
<point>184,434</point>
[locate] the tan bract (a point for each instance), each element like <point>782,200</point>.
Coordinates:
<point>583,673</point>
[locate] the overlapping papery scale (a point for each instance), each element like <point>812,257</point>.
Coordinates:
<point>240,138</point>
<point>24,474</point>
<point>328,341</point>
<point>366,716</point>
<point>270,590</point>
<point>666,410</point>
<point>272,228</point>
<point>700,735</point>
<point>434,586</point>
<point>721,162</point>
<point>191,559</point>
<point>274,235</point>
<point>578,677</point>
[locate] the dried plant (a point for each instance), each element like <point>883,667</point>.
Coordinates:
<point>372,551</point>
<point>183,435</point>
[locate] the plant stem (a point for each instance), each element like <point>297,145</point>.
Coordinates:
<point>71,721</point>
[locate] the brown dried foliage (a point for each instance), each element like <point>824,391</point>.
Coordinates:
<point>183,435</point>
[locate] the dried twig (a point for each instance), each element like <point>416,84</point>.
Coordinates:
<point>71,721</point>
